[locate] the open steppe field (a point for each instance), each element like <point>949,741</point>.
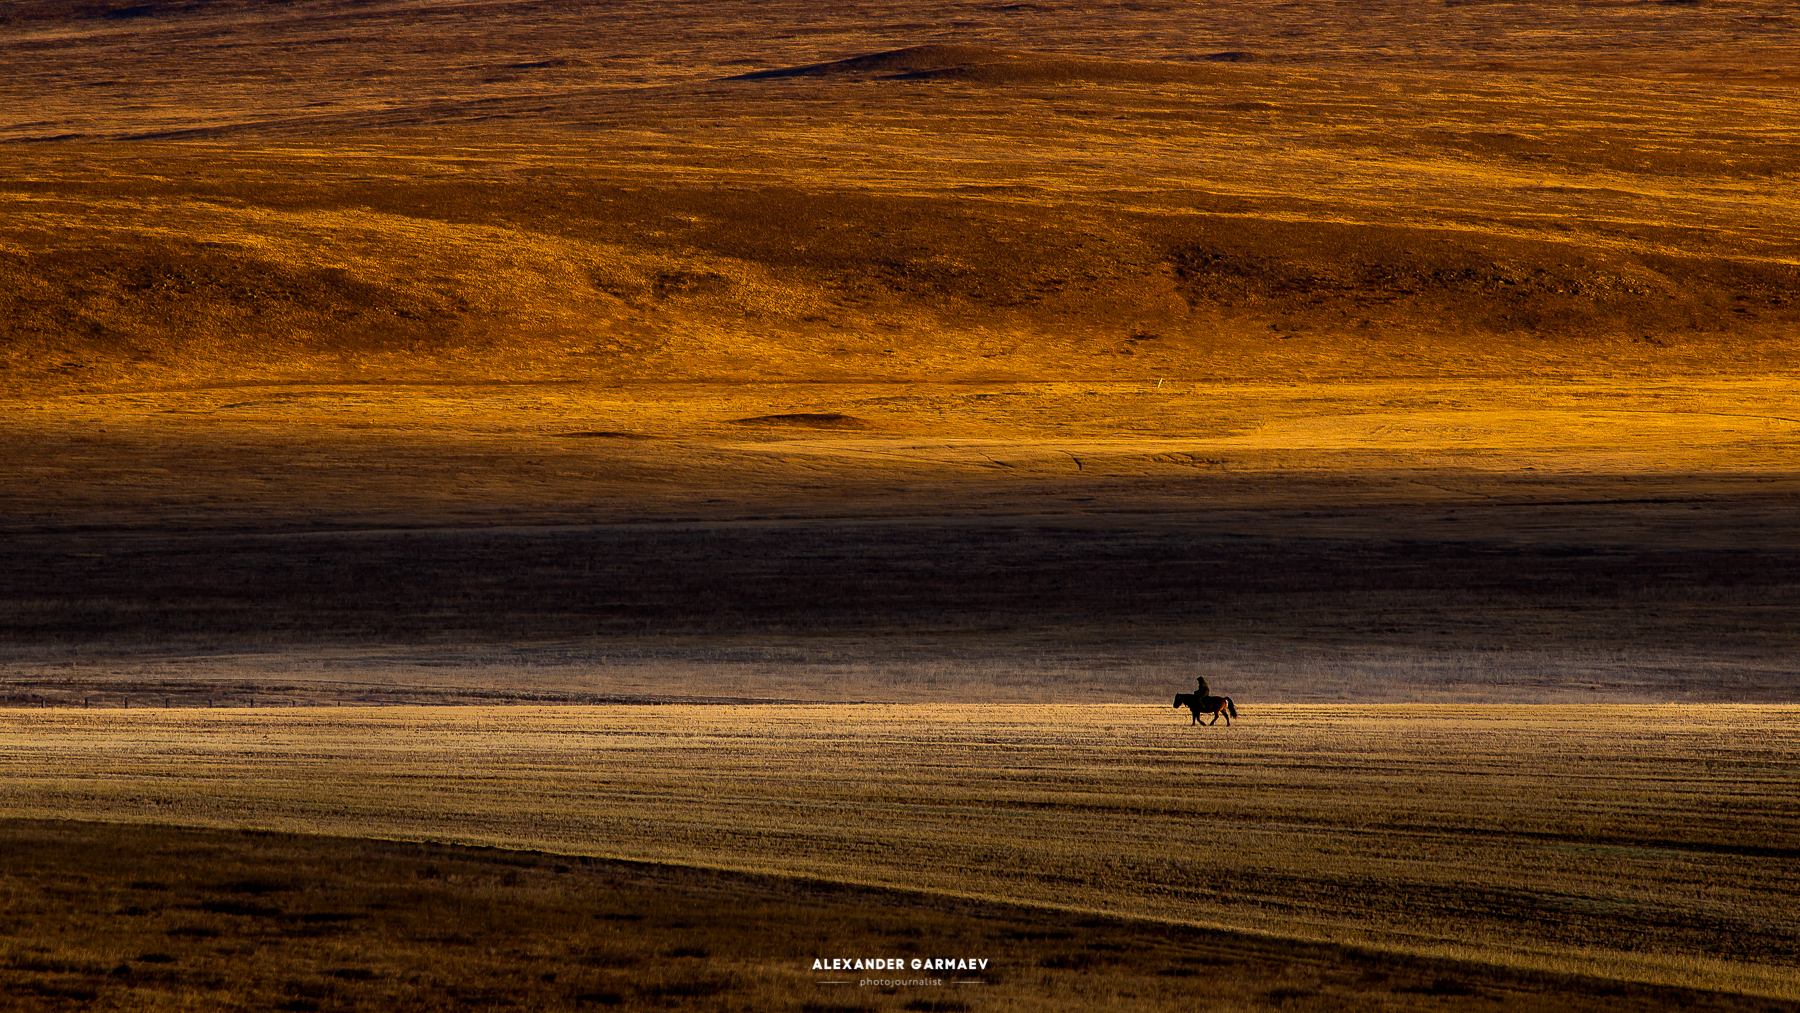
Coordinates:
<point>907,398</point>
<point>1306,857</point>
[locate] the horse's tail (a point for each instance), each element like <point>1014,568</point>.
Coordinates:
<point>1231,707</point>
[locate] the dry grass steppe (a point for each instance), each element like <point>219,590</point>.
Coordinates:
<point>1652,845</point>
<point>1028,195</point>
<point>834,434</point>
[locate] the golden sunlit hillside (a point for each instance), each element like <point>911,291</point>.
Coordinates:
<point>559,199</point>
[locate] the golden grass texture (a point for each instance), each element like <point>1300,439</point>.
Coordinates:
<point>398,454</point>
<point>227,267</point>
<point>1649,844</point>
<point>1424,193</point>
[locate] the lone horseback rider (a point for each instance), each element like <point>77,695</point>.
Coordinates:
<point>1203,702</point>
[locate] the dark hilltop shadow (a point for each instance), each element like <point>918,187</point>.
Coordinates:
<point>806,420</point>
<point>987,65</point>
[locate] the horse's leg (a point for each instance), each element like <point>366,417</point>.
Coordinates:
<point>1214,721</point>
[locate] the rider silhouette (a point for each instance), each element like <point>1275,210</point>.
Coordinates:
<point>1200,686</point>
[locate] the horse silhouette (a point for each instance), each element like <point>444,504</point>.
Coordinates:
<point>1217,706</point>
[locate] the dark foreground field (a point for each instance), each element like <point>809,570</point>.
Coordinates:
<point>163,918</point>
